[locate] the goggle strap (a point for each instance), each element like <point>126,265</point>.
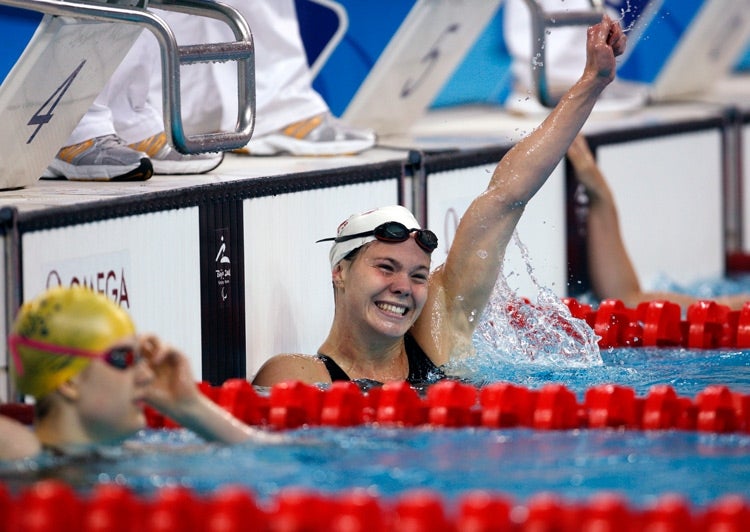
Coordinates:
<point>16,339</point>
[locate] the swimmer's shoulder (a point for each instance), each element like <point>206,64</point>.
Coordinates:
<point>17,441</point>
<point>292,367</point>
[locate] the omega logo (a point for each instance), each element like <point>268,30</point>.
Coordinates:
<point>108,283</point>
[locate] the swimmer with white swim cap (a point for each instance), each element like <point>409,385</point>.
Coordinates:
<point>387,325</point>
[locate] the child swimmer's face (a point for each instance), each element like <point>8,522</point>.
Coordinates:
<point>110,393</point>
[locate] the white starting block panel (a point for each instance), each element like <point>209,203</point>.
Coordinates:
<point>58,75</point>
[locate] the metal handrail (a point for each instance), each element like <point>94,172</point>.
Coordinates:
<point>172,56</point>
<point>540,21</point>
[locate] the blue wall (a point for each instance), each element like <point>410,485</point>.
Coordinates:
<point>484,75</point>
<point>16,28</point>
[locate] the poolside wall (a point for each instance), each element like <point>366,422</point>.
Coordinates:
<point>229,272</point>
<point>160,254</point>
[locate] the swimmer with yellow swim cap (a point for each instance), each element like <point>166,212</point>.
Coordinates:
<point>78,355</point>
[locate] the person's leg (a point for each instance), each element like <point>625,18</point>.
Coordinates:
<point>139,122</point>
<point>121,137</point>
<point>94,152</point>
<point>291,117</point>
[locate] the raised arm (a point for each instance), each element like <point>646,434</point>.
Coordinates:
<point>463,285</point>
<point>612,273</point>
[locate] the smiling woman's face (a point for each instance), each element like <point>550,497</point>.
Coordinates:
<point>385,286</point>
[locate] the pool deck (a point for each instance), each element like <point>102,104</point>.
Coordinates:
<point>459,128</point>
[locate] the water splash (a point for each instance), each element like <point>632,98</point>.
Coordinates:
<point>516,331</point>
<point>627,26</point>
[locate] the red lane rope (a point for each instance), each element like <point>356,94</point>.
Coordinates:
<point>451,403</point>
<point>707,324</point>
<point>53,505</point>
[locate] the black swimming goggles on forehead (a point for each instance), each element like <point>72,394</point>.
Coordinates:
<point>392,232</point>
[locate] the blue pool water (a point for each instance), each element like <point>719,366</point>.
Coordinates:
<point>516,462</point>
<point>389,462</point>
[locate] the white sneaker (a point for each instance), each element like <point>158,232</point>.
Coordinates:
<point>319,135</point>
<point>105,158</point>
<point>168,161</point>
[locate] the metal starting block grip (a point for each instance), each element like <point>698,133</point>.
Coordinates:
<point>241,51</point>
<point>540,21</point>
<point>173,56</point>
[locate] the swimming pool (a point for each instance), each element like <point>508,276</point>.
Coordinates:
<point>561,430</point>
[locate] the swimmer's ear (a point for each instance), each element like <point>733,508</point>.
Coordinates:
<point>69,389</point>
<point>338,275</point>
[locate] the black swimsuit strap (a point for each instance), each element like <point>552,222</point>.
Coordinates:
<point>421,368</point>
<point>334,370</point>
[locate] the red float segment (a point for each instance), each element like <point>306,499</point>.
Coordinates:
<point>661,323</point>
<point>705,324</point>
<point>728,514</point>
<point>175,508</point>
<point>52,505</point>
<point>610,405</point>
<point>7,510</point>
<point>506,405</point>
<point>421,511</point>
<point>371,399</point>
<point>729,328</point>
<point>293,404</point>
<point>606,512</point>
<point>688,417</point>
<point>400,404</point>
<point>49,505</point>
<point>482,511</point>
<point>154,418</point>
<point>452,404</point>
<point>233,509</point>
<point>610,322</point>
<point>632,334</point>
<point>547,511</point>
<point>671,513</point>
<point>716,410</point>
<point>113,508</point>
<point>577,309</point>
<point>742,410</point>
<point>742,338</point>
<point>556,408</point>
<point>662,408</point>
<point>212,392</point>
<point>240,398</point>
<point>709,325</point>
<point>298,509</point>
<point>359,511</point>
<point>343,405</point>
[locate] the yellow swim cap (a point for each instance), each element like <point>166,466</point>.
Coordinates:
<point>73,317</point>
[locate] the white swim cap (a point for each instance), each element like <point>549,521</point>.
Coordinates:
<point>364,222</point>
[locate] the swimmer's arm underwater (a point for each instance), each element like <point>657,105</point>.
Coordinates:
<point>174,394</point>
